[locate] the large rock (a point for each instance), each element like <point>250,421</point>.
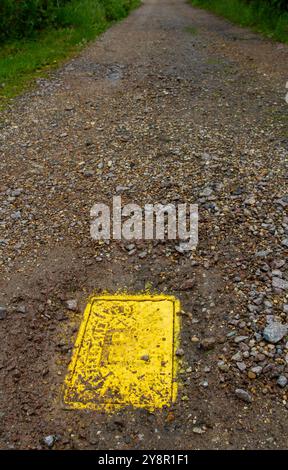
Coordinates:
<point>274,332</point>
<point>279,283</point>
<point>282,381</point>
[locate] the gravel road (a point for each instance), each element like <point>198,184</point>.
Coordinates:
<point>171,105</point>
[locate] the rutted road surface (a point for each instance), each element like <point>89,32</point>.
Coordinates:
<point>171,105</point>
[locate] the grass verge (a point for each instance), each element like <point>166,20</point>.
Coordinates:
<point>257,15</point>
<point>80,21</point>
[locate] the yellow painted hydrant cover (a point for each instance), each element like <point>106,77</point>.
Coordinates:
<point>124,354</point>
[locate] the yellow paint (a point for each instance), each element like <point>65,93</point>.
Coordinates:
<point>125,354</point>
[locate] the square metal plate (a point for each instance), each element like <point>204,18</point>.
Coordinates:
<point>125,353</point>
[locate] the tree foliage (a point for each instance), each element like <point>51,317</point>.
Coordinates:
<point>23,18</point>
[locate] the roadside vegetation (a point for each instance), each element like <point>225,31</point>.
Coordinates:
<point>269,17</point>
<point>36,35</point>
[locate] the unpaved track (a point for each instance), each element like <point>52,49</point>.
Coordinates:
<point>169,101</point>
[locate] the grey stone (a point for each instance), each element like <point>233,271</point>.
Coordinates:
<point>262,254</point>
<point>239,339</point>
<point>250,201</point>
<point>206,192</point>
<point>241,366</point>
<point>279,283</point>
<point>88,173</point>
<point>21,308</point>
<point>72,304</point>
<point>279,263</point>
<point>277,273</point>
<point>253,308</point>
<point>243,395</point>
<point>270,318</point>
<point>205,383</point>
<point>130,247</point>
<point>282,381</point>
<point>16,192</point>
<point>198,430</point>
<point>222,366</point>
<point>237,356</point>
<point>16,215</point>
<point>132,252</point>
<point>3,312</point>
<point>274,332</point>
<point>257,370</point>
<point>258,300</point>
<point>257,336</point>
<point>121,189</point>
<point>49,441</point>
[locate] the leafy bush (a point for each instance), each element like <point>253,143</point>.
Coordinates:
<point>278,4</point>
<point>20,18</point>
<point>269,17</point>
<point>23,18</point>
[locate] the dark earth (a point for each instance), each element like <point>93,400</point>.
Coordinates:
<point>171,105</point>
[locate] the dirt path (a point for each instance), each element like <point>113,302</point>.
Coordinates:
<point>172,104</point>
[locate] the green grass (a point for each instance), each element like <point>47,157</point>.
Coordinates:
<point>23,61</point>
<point>257,15</point>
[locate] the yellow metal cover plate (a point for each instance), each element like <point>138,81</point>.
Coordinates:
<point>125,354</point>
